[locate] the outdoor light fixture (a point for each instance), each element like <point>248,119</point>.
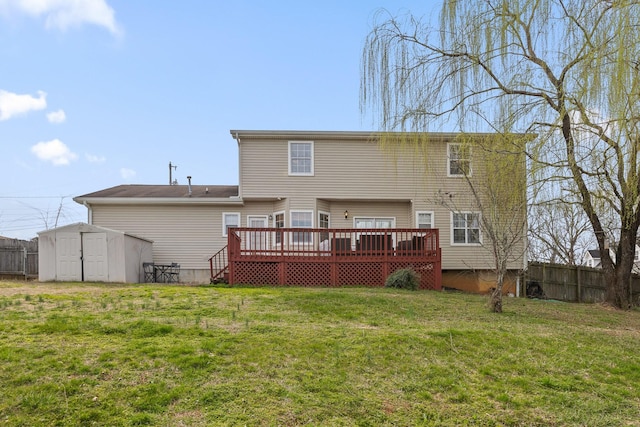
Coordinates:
<point>270,217</point>
<point>346,214</point>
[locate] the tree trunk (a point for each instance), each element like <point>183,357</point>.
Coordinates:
<point>618,275</point>
<point>495,301</point>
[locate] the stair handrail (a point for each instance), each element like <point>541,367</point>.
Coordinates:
<point>221,260</point>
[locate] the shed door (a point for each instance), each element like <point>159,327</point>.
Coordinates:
<point>94,257</point>
<point>68,253</point>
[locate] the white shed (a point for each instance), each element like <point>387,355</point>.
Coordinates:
<point>88,253</point>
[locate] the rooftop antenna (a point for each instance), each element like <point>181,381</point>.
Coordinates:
<point>171,168</point>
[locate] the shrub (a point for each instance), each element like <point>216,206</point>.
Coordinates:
<point>405,278</point>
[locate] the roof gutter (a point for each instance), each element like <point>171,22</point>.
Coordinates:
<point>351,135</point>
<point>234,201</point>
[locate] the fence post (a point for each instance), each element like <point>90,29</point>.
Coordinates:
<point>24,262</point>
<point>579,279</point>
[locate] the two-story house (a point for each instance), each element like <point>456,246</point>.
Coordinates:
<point>309,179</point>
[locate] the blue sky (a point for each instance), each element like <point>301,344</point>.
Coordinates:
<point>98,93</point>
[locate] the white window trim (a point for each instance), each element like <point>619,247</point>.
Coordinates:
<point>291,212</point>
<point>328,216</point>
<point>433,220</point>
<point>284,217</point>
<point>224,221</point>
<point>310,173</point>
<point>479,229</point>
<point>284,224</point>
<point>460,175</point>
<point>320,213</point>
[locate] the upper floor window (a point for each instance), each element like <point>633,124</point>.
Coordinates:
<point>300,158</point>
<point>459,160</point>
<point>424,219</point>
<point>465,228</point>
<point>230,220</point>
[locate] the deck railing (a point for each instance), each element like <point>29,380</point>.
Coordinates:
<point>307,242</point>
<point>313,256</point>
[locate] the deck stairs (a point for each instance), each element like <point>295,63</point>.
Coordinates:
<point>219,266</point>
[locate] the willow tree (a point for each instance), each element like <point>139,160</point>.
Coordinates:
<point>564,70</point>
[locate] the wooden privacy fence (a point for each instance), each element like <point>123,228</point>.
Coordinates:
<point>573,283</point>
<point>18,258</point>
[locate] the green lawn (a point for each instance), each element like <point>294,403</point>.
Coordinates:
<point>82,354</point>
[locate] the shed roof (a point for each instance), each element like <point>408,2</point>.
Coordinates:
<point>82,227</point>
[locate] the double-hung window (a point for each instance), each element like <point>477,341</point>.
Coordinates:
<point>301,158</point>
<point>459,160</point>
<point>230,220</point>
<point>465,228</point>
<point>302,219</point>
<point>424,219</point>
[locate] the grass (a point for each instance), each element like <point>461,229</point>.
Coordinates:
<point>95,354</point>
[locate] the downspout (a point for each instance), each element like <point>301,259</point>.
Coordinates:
<point>89,212</point>
<point>237,138</point>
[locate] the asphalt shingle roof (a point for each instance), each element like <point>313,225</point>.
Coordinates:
<point>165,191</point>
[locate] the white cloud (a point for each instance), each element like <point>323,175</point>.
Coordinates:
<point>57,116</point>
<point>62,14</point>
<point>54,151</point>
<point>12,104</point>
<point>127,174</point>
<point>92,158</point>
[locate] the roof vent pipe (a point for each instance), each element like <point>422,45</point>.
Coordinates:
<point>189,179</point>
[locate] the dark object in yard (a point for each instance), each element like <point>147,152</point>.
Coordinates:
<point>534,290</point>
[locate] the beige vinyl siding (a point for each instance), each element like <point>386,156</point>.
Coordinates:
<point>323,205</point>
<point>186,235</point>
<point>342,170</point>
<point>395,210</point>
<point>281,205</point>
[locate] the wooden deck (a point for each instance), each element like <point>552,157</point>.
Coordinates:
<point>329,257</point>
